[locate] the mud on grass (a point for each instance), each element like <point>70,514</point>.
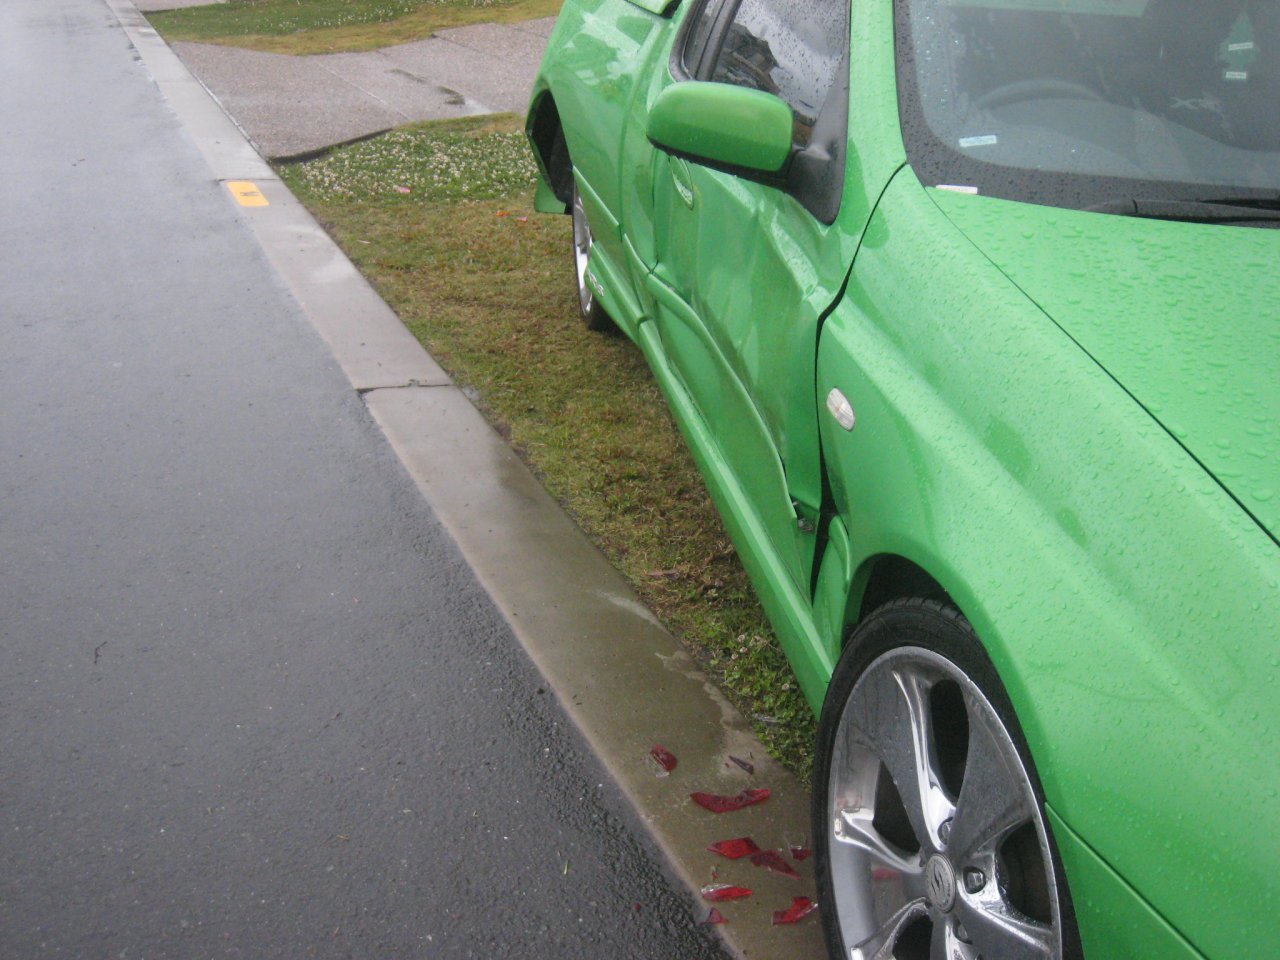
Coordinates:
<point>487,285</point>
<point>333,26</point>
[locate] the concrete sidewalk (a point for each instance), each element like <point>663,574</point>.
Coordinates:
<point>152,6</point>
<point>290,106</point>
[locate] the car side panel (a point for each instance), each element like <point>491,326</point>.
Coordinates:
<point>1098,562</point>
<point>787,607</point>
<point>600,56</point>
<point>1115,923</point>
<point>750,273</point>
<point>736,328</point>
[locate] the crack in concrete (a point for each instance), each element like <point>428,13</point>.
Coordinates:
<point>368,93</point>
<point>408,385</point>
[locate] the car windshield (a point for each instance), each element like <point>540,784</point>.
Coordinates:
<point>1087,102</point>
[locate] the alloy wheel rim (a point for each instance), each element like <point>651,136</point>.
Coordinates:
<point>937,847</point>
<point>581,252</point>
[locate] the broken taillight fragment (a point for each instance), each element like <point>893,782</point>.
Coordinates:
<point>800,853</point>
<point>745,765</point>
<point>718,804</point>
<point>718,892</point>
<point>735,849</point>
<point>715,917</point>
<point>664,758</point>
<point>800,908</point>
<point>772,860</point>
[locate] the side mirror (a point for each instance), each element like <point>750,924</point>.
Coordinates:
<point>723,124</point>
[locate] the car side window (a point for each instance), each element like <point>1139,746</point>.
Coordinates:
<point>702,22</point>
<point>797,50</point>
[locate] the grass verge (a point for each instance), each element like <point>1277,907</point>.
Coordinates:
<point>335,26</point>
<point>439,217</point>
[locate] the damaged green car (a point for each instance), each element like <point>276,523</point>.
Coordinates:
<point>969,311</point>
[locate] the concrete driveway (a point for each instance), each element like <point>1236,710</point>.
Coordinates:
<point>290,106</point>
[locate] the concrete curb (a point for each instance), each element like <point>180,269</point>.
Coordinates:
<point>624,679</point>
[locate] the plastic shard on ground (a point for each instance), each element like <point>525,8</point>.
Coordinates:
<point>745,765</point>
<point>800,908</point>
<point>718,804</point>
<point>719,892</point>
<point>800,853</point>
<point>773,860</point>
<point>715,917</point>
<point>664,758</point>
<point>735,849</point>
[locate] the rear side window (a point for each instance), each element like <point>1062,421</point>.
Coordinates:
<point>796,49</point>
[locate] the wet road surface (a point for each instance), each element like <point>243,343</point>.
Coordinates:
<point>251,702</point>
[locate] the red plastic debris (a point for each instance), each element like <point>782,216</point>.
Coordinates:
<point>772,860</point>
<point>718,804</point>
<point>745,765</point>
<point>718,892</point>
<point>715,917</point>
<point>800,854</point>
<point>800,908</point>
<point>663,757</point>
<point>735,849</point>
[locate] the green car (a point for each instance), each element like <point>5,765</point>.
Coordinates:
<point>969,311</point>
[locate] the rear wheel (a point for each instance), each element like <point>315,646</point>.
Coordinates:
<point>593,315</point>
<point>929,827</point>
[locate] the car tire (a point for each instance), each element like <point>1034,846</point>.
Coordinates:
<point>930,837</point>
<point>592,313</point>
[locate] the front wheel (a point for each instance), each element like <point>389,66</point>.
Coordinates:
<point>593,315</point>
<point>929,827</point>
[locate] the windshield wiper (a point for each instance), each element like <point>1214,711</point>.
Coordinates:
<point>1243,210</point>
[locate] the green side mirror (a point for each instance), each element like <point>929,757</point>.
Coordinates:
<point>723,124</point>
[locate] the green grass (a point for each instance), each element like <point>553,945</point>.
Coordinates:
<point>439,217</point>
<point>330,26</point>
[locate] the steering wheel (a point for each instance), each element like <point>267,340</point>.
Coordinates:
<point>1036,88</point>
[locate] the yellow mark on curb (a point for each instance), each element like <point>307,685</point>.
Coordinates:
<point>246,193</point>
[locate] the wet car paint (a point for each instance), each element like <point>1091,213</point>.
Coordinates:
<point>1066,419</point>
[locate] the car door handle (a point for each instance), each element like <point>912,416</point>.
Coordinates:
<point>682,179</point>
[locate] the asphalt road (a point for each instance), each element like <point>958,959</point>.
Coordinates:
<point>252,704</point>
